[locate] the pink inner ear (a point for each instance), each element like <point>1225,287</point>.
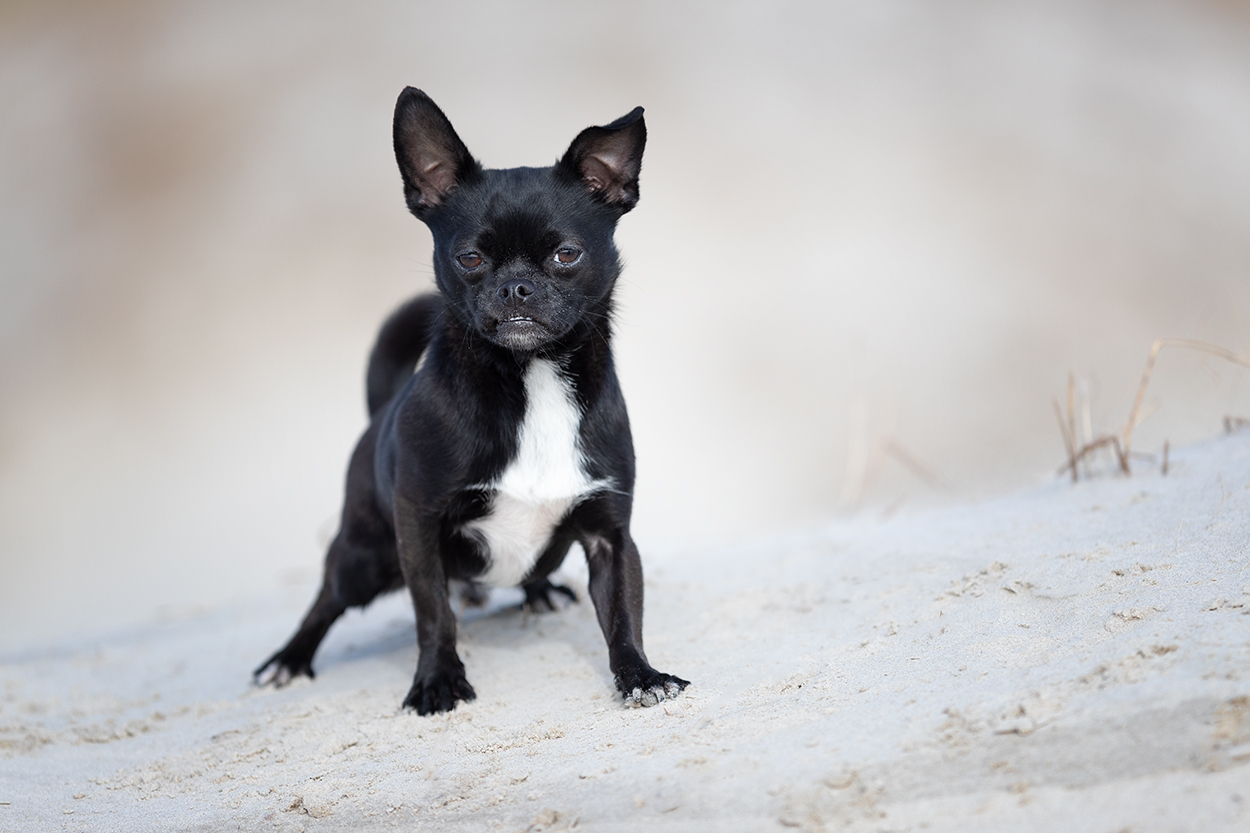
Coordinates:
<point>439,177</point>
<point>614,162</point>
<point>599,173</point>
<point>595,174</point>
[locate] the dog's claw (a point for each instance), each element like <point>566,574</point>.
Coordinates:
<point>438,693</point>
<point>538,595</point>
<point>279,670</point>
<point>657,688</point>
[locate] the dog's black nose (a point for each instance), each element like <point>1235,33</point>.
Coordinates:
<point>514,292</point>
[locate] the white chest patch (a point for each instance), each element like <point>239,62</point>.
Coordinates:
<point>543,482</point>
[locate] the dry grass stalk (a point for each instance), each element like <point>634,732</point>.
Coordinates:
<point>1078,453</point>
<point>917,468</point>
<point>1165,458</point>
<point>1072,408</point>
<point>1235,423</point>
<point>1079,456</point>
<point>867,456</point>
<point>1068,443</point>
<point>1135,416</point>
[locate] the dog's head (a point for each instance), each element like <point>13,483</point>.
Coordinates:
<point>525,255</point>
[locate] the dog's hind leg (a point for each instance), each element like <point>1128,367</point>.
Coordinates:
<point>295,658</point>
<point>355,574</point>
<point>539,590</point>
<point>360,563</point>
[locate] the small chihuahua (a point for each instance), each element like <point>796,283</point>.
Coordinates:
<point>498,433</point>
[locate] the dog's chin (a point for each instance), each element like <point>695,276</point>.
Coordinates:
<point>522,334</point>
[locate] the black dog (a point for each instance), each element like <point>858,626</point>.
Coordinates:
<point>499,435</point>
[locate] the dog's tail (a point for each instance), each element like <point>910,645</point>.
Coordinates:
<point>401,341</point>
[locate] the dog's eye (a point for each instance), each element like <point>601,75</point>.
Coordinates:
<point>568,255</point>
<point>470,260</point>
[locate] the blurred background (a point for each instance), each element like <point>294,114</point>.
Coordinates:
<point>874,240</point>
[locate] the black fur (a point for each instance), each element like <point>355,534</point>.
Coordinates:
<point>525,264</point>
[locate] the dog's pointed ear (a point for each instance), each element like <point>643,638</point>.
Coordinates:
<point>608,159</point>
<point>432,159</point>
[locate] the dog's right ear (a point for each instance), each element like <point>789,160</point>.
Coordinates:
<point>432,159</point>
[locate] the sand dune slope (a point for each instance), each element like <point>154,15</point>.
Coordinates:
<point>1072,658</point>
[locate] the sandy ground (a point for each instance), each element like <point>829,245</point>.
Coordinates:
<point>1070,658</point>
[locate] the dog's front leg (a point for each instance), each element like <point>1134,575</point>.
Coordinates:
<point>440,681</point>
<point>616,590</point>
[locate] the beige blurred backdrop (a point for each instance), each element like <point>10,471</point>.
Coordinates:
<point>868,232</point>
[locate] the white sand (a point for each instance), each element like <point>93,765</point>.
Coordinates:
<point>1071,658</point>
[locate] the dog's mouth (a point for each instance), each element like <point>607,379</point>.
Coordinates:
<point>520,332</point>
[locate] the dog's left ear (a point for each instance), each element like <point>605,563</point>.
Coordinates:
<point>608,159</point>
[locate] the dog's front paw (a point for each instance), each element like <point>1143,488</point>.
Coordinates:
<point>283,667</point>
<point>538,595</point>
<point>438,692</point>
<point>646,686</point>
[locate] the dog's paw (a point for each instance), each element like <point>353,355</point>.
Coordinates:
<point>281,668</point>
<point>647,687</point>
<point>438,692</point>
<point>538,595</point>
